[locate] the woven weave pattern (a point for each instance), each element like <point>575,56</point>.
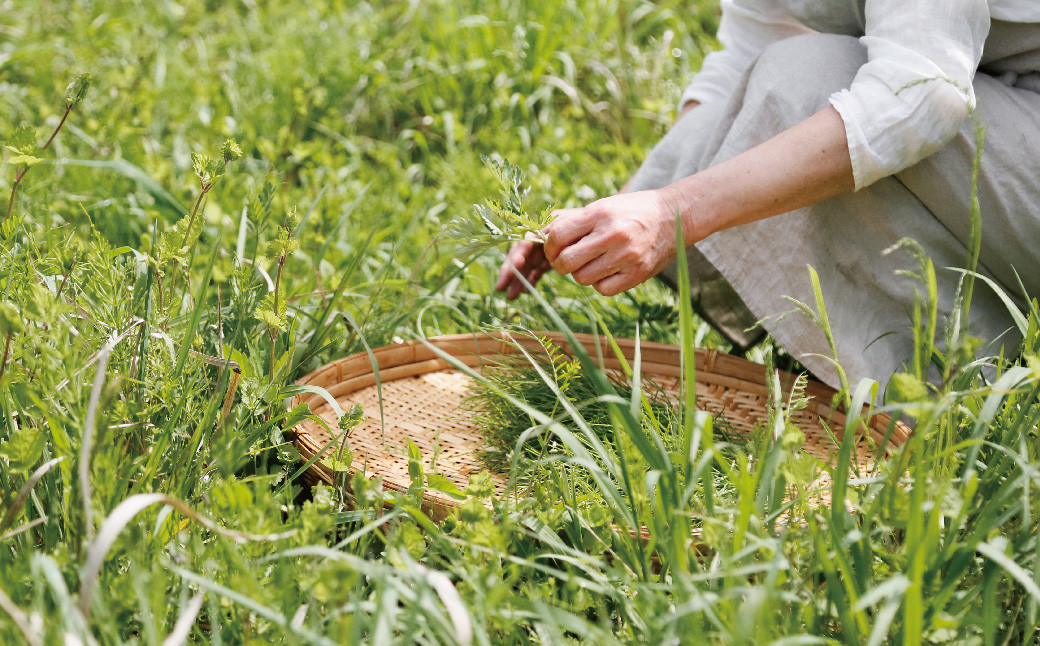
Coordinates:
<point>422,393</point>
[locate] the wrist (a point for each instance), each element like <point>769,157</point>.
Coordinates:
<point>689,201</point>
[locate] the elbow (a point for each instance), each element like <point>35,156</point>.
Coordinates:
<point>941,114</point>
<point>914,122</point>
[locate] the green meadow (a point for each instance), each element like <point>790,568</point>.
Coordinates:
<point>194,185</point>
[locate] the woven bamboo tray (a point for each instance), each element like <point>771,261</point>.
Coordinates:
<point>422,393</point>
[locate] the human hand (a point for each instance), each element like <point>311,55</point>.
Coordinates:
<point>529,259</point>
<point>614,243</point>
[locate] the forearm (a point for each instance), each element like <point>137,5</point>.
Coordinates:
<point>799,167</point>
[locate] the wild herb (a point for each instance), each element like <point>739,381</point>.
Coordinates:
<point>555,377</point>
<point>22,142</point>
<point>272,309</point>
<point>499,221</point>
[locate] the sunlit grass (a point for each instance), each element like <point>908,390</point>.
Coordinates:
<point>149,487</point>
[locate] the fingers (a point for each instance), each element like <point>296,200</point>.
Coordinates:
<point>616,283</point>
<point>528,258</point>
<point>516,257</point>
<point>517,287</point>
<point>606,246</point>
<point>591,272</point>
<point>569,226</point>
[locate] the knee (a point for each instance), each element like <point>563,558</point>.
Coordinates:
<point>796,76</point>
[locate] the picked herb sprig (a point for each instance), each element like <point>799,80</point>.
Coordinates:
<point>502,221</point>
<point>501,423</point>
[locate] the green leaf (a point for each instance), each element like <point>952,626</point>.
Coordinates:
<point>406,537</point>
<point>413,451</point>
<point>270,315</point>
<point>23,449</point>
<point>244,364</point>
<point>800,468</point>
<point>367,492</point>
<point>230,151</point>
<point>355,417</point>
<point>214,169</point>
<point>500,221</point>
<point>415,468</point>
<point>292,220</point>
<point>23,140</point>
<point>174,244</point>
<point>339,460</point>
<point>22,158</point>
<point>260,206</point>
<point>792,438</point>
<point>283,245</point>
<point>439,483</point>
<point>77,90</point>
<point>474,511</point>
<point>267,316</point>
<point>8,226</point>
<point>480,485</point>
<point>10,319</point>
<point>415,471</point>
<point>905,388</point>
<point>199,163</point>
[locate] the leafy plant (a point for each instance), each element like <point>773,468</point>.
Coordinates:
<point>23,145</point>
<point>500,221</point>
<point>542,385</point>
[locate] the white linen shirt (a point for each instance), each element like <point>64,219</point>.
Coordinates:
<point>913,94</point>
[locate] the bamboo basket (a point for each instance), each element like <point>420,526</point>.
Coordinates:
<point>422,392</point>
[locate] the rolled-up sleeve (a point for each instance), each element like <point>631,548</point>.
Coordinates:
<point>915,91</point>
<point>745,29</point>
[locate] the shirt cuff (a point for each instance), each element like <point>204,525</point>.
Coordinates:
<point>888,131</point>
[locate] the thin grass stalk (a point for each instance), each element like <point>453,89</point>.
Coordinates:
<point>581,455</point>
<point>26,489</point>
<point>375,371</point>
<point>182,628</point>
<point>87,443</point>
<point>20,620</point>
<point>204,189</point>
<point>267,613</point>
<point>573,411</point>
<point>975,236</point>
<point>696,436</point>
<point>24,528</point>
<point>121,516</point>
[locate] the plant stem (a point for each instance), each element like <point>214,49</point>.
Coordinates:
<point>61,287</point>
<point>229,397</point>
<point>60,124</point>
<point>7,354</point>
<point>271,331</point>
<point>194,212</point>
<point>158,283</point>
<point>19,174</point>
<point>14,189</point>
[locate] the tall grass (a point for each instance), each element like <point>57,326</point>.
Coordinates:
<point>150,491</point>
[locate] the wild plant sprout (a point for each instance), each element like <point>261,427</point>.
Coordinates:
<point>22,144</point>
<point>502,221</point>
<point>174,246</point>
<point>272,309</point>
<point>10,325</point>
